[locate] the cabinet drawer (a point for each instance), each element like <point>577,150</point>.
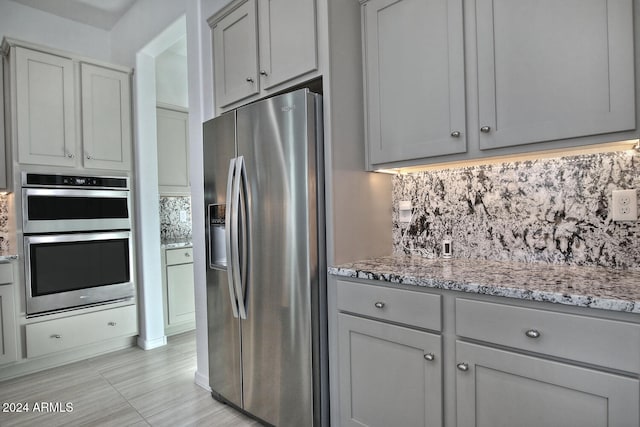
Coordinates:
<point>179,256</point>
<point>6,273</point>
<point>66,333</point>
<point>397,305</point>
<point>608,343</point>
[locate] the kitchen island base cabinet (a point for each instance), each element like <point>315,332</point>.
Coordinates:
<point>497,388</point>
<point>389,375</point>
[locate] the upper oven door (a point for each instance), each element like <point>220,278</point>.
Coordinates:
<point>51,210</point>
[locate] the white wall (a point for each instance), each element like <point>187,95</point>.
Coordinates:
<point>32,25</point>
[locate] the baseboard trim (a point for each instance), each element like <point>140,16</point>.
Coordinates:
<point>202,381</point>
<point>151,344</point>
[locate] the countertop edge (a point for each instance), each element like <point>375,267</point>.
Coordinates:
<point>576,300</point>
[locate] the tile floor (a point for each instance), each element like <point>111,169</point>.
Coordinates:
<point>130,387</point>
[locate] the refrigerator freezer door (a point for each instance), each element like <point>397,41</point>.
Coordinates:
<point>277,139</point>
<point>225,368</point>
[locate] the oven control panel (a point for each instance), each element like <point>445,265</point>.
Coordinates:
<point>45,180</point>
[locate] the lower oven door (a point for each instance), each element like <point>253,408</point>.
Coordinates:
<point>64,271</point>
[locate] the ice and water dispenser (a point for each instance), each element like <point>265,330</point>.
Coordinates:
<point>217,248</point>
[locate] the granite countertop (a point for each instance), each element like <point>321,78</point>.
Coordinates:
<point>593,287</point>
<point>176,243</point>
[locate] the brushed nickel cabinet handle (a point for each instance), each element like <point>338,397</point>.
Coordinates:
<point>263,73</point>
<point>250,79</point>
<point>56,336</point>
<point>485,129</point>
<point>455,134</point>
<point>533,333</point>
<point>111,323</point>
<point>379,304</point>
<point>430,357</point>
<point>464,367</point>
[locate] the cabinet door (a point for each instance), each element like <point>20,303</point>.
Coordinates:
<point>180,293</point>
<point>288,46</point>
<point>8,350</point>
<point>46,123</point>
<point>554,69</point>
<point>385,377</point>
<point>503,389</point>
<point>3,130</point>
<point>173,151</point>
<point>235,55</point>
<point>414,71</point>
<point>106,118</point>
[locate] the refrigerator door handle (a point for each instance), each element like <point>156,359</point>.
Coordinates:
<point>228,232</point>
<point>235,237</point>
<point>242,290</point>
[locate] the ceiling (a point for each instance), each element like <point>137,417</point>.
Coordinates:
<point>96,13</point>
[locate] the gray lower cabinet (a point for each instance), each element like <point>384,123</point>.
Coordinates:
<point>497,388</point>
<point>389,375</point>
<point>8,345</point>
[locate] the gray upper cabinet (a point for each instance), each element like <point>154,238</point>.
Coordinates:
<point>538,75</point>
<point>551,69</point>
<point>260,45</point>
<point>67,110</point>
<point>496,388</point>
<point>106,118</point>
<point>173,151</point>
<point>414,78</point>
<point>235,47</point>
<point>45,108</point>
<point>287,40</point>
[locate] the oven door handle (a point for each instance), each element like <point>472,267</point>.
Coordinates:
<point>229,233</point>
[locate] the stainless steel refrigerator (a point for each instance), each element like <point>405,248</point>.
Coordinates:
<point>266,281</point>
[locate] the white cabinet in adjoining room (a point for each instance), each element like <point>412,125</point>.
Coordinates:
<point>178,290</point>
<point>173,150</point>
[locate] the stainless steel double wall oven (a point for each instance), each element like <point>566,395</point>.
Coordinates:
<point>77,241</point>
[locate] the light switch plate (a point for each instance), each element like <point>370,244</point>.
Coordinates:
<point>404,211</point>
<point>183,216</point>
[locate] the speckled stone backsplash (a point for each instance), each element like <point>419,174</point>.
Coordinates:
<point>4,223</point>
<point>171,228</point>
<point>549,210</point>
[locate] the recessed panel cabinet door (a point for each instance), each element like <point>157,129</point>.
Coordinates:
<point>235,48</point>
<point>287,40</point>
<point>554,69</point>
<point>173,151</point>
<point>414,70</point>
<point>46,123</point>
<point>389,375</point>
<point>8,350</point>
<point>180,293</point>
<point>106,118</point>
<point>497,388</point>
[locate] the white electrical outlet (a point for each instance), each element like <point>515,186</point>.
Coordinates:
<point>183,216</point>
<point>404,211</point>
<point>624,205</point>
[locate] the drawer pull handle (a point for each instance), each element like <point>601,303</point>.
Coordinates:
<point>430,357</point>
<point>379,304</point>
<point>532,333</point>
<point>56,336</point>
<point>111,323</point>
<point>464,367</point>
<point>187,254</point>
